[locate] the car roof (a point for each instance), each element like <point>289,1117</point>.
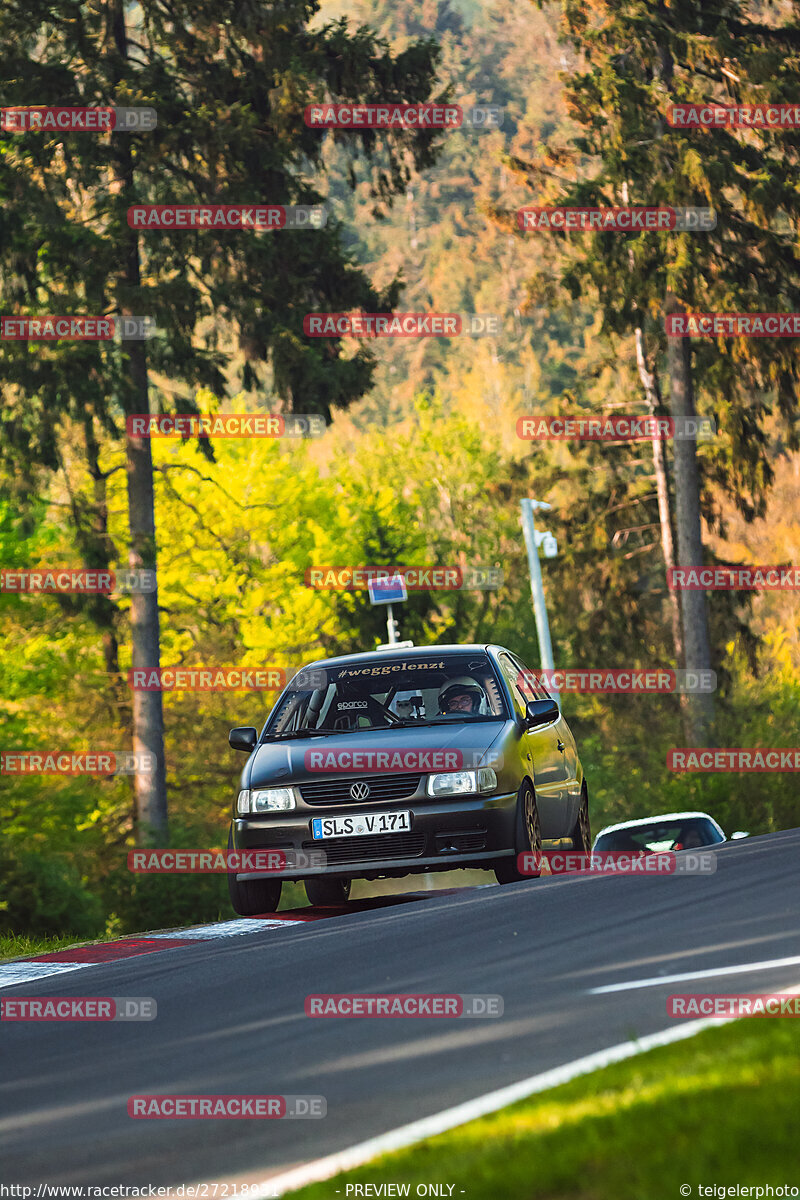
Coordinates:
<point>407,652</point>
<point>676,816</point>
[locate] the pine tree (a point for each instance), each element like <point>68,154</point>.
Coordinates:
<point>634,61</point>
<point>229,80</point>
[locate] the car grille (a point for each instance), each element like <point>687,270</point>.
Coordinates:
<point>382,788</point>
<point>463,842</point>
<point>365,849</point>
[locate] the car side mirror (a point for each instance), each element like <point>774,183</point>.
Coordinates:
<point>243,737</point>
<point>735,837</point>
<point>540,712</point>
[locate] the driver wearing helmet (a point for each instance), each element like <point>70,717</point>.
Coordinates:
<point>461,695</point>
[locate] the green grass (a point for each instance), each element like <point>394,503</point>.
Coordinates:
<point>18,945</point>
<point>719,1108</point>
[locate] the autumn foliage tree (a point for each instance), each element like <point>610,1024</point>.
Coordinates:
<point>229,82</point>
<point>633,62</point>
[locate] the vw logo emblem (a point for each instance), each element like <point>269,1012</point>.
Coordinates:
<point>359,791</point>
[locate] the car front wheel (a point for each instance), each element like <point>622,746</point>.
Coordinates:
<point>527,840</point>
<point>252,897</point>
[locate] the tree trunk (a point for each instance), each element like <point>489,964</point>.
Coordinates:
<point>662,489</point>
<point>106,614</point>
<point>694,608</point>
<point>148,713</point>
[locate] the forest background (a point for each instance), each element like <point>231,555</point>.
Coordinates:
<point>421,463</point>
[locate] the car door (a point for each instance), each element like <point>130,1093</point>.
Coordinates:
<point>540,748</point>
<point>533,688</point>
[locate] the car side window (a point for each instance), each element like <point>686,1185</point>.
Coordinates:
<point>529,683</point>
<point>511,673</point>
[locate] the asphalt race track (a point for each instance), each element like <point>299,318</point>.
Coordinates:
<point>231,1018</point>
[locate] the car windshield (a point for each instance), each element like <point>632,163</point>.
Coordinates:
<point>682,834</point>
<point>387,692</point>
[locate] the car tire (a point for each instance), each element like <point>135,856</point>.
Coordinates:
<point>323,892</point>
<point>582,833</point>
<point>527,837</point>
<point>252,897</point>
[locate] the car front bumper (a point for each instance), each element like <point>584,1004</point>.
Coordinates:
<point>465,831</point>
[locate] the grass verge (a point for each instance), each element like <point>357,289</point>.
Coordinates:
<point>720,1108</point>
<point>18,945</point>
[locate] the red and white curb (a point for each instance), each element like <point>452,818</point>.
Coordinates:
<point>59,962</point>
<point>23,971</point>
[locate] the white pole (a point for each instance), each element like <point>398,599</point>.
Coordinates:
<point>537,587</point>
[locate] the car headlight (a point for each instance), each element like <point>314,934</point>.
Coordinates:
<point>261,800</point>
<point>461,783</point>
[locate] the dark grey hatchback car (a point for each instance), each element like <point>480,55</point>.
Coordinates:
<point>402,761</point>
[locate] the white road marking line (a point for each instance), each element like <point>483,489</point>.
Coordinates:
<point>27,972</point>
<point>449,1118</point>
<point>223,929</point>
<point>770,964</point>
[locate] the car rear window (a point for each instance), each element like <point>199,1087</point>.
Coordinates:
<point>685,834</point>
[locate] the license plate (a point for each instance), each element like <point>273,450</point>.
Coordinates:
<point>361,824</point>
